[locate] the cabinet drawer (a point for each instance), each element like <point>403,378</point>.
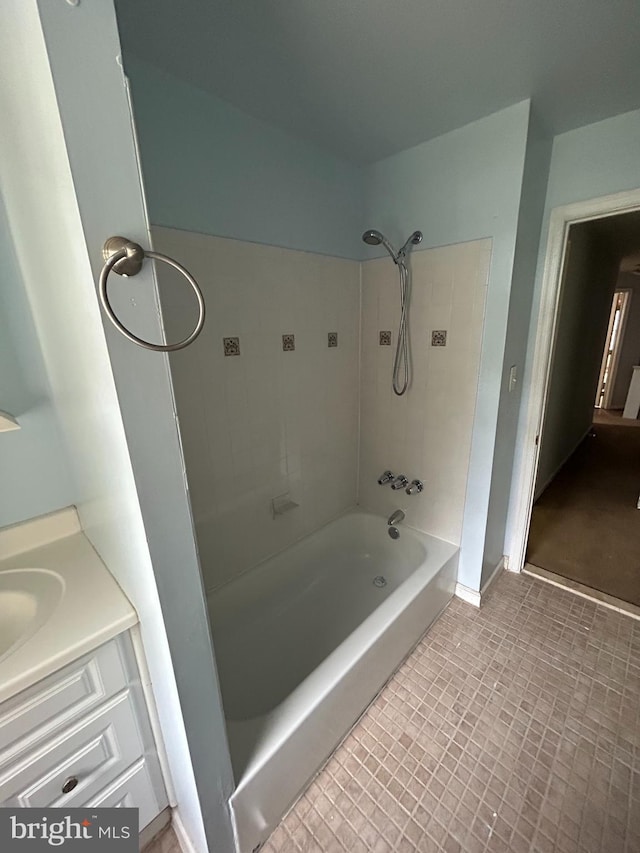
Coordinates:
<point>44,709</point>
<point>95,753</point>
<point>133,789</point>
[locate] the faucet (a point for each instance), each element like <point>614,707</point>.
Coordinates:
<point>400,482</point>
<point>385,478</point>
<point>414,487</point>
<point>395,517</point>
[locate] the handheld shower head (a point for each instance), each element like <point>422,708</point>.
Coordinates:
<point>372,238</point>
<point>375,238</point>
<point>413,240</point>
<point>401,363</point>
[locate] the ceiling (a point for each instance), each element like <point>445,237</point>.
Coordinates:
<point>367,78</point>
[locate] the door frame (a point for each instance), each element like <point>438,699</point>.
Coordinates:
<point>615,355</point>
<point>560,220</point>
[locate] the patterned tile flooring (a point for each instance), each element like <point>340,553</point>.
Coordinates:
<point>510,729</point>
<point>165,842</point>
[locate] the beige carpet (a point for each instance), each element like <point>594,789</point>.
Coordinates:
<point>586,526</point>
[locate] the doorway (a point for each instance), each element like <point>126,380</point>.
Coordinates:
<point>583,526</point>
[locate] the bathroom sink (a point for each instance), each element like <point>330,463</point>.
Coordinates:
<point>28,597</point>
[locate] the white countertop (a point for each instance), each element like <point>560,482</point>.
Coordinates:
<point>92,610</point>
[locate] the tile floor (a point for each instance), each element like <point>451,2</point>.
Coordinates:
<point>165,842</point>
<point>513,728</point>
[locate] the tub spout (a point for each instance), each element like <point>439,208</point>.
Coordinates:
<point>395,517</point>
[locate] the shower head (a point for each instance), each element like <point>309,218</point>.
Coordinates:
<point>413,240</point>
<point>375,238</point>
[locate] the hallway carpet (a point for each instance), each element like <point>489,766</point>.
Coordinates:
<point>586,526</point>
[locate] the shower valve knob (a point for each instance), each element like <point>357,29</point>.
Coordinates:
<point>400,482</point>
<point>414,487</point>
<point>385,478</point>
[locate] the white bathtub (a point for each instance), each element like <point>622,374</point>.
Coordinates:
<point>305,641</point>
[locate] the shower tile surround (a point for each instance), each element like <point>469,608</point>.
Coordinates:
<point>298,414</point>
<point>427,432</point>
<point>281,418</point>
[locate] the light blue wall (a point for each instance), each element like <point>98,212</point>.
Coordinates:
<point>530,216</point>
<point>211,168</point>
<point>592,161</point>
<point>33,460</point>
<point>595,160</point>
<point>464,186</point>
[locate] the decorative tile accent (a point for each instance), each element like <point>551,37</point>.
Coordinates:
<point>515,728</point>
<point>332,339</point>
<point>439,338</point>
<point>385,339</point>
<point>231,346</point>
<point>288,343</point>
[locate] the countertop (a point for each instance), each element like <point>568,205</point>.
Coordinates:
<point>92,609</point>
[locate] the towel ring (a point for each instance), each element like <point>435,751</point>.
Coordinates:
<point>125,257</point>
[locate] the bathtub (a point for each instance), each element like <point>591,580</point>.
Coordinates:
<point>304,642</point>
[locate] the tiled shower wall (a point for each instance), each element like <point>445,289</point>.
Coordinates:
<point>287,415</point>
<point>279,418</point>
<point>426,434</point>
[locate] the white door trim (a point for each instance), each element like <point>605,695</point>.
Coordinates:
<point>560,220</point>
<point>617,349</point>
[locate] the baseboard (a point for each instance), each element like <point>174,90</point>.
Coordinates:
<point>472,596</point>
<point>494,574</point>
<point>538,492</point>
<point>185,843</point>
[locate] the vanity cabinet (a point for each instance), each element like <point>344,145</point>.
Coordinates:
<point>82,737</point>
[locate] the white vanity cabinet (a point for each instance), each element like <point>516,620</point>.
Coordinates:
<point>82,737</point>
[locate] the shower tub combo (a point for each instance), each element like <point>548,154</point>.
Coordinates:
<point>305,640</point>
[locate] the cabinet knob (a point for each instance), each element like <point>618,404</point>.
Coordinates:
<point>69,785</point>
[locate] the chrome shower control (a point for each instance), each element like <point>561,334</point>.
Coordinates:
<point>385,478</point>
<point>400,482</point>
<point>414,487</point>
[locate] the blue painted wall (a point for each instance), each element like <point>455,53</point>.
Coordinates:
<point>211,168</point>
<point>34,463</point>
<point>464,186</point>
<point>595,160</point>
<point>530,217</point>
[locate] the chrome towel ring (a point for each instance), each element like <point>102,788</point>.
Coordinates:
<point>125,257</point>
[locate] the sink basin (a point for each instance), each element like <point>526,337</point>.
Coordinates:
<point>28,597</point>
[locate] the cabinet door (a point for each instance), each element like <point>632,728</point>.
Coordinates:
<point>84,759</point>
<point>133,789</point>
